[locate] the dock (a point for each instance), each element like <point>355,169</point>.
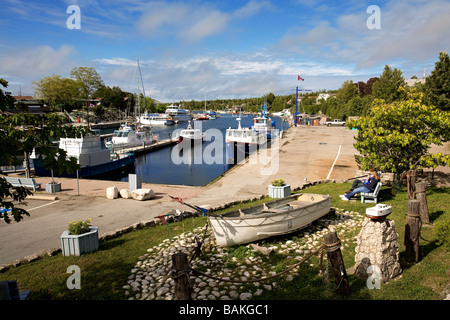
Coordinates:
<point>145,148</point>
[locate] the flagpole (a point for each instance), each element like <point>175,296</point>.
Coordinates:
<point>296,99</point>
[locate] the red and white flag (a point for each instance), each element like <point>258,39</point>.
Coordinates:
<point>300,78</point>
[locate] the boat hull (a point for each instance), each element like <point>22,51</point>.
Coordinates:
<point>279,217</point>
<point>89,171</point>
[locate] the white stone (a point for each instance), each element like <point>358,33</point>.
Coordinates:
<point>125,193</point>
<point>112,193</point>
<point>245,296</point>
<point>143,194</point>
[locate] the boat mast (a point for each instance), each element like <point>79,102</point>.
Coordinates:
<point>138,104</point>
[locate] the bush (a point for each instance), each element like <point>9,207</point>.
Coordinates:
<point>278,182</point>
<point>79,227</point>
<point>442,232</point>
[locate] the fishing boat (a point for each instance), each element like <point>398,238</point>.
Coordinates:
<point>128,137</point>
<point>91,154</point>
<point>190,133</point>
<point>155,119</point>
<point>177,114</point>
<point>279,217</point>
<point>241,142</point>
<point>265,124</point>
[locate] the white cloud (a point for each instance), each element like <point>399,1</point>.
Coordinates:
<point>36,61</point>
<point>411,32</point>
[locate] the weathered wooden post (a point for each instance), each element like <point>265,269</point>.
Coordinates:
<point>411,183</point>
<point>180,276</point>
<point>412,231</point>
<point>332,246</point>
<point>422,197</point>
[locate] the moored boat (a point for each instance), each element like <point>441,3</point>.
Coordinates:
<point>190,134</point>
<point>155,119</point>
<point>128,137</point>
<point>92,156</point>
<point>274,218</point>
<point>265,124</point>
<point>177,114</point>
<point>242,141</point>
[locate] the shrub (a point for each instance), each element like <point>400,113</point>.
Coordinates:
<point>278,182</point>
<point>442,232</point>
<point>79,227</point>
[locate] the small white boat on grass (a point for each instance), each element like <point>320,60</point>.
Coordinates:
<point>274,218</point>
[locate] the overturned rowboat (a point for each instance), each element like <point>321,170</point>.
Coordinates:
<point>270,219</point>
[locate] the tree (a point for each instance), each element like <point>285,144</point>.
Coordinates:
<point>437,85</point>
<point>347,91</point>
<point>396,136</point>
<point>387,87</point>
<point>20,134</point>
<point>89,81</point>
<point>56,90</point>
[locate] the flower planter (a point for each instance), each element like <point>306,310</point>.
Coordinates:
<point>53,187</point>
<point>279,192</point>
<point>75,245</point>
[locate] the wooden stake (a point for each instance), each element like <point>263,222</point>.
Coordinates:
<point>411,183</point>
<point>412,231</point>
<point>333,248</point>
<point>180,276</point>
<point>422,197</point>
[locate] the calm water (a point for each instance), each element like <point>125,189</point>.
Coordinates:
<point>163,166</point>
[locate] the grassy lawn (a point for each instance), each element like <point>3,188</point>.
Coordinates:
<point>105,272</point>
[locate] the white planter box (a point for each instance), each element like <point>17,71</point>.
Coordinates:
<point>76,245</point>
<point>279,192</point>
<point>53,187</point>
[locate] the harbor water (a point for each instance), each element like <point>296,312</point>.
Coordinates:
<point>170,166</point>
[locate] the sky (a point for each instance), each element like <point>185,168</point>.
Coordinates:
<point>189,50</point>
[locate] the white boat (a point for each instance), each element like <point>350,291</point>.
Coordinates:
<point>128,137</point>
<point>283,113</point>
<point>155,119</point>
<point>378,211</point>
<point>241,142</point>
<point>274,218</point>
<point>265,124</point>
<point>190,134</point>
<point>92,156</point>
<point>177,114</point>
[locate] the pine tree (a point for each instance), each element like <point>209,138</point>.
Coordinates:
<point>437,85</point>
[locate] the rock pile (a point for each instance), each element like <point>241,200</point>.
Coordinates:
<point>150,278</point>
<point>377,246</point>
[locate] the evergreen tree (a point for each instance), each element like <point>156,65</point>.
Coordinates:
<point>387,87</point>
<point>437,85</point>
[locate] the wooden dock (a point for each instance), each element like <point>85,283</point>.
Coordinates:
<point>145,148</point>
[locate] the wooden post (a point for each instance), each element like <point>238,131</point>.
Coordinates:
<point>332,247</point>
<point>422,197</point>
<point>180,276</point>
<point>412,231</point>
<point>411,183</point>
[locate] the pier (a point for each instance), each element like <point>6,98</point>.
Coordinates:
<point>146,147</point>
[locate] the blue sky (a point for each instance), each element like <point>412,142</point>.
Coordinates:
<point>224,49</point>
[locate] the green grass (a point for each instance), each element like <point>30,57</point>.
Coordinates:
<point>104,272</point>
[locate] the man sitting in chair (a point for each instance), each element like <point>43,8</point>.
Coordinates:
<point>362,186</point>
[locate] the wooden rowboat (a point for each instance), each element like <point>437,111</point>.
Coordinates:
<point>274,218</point>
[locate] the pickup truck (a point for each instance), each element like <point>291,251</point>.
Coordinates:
<point>335,122</point>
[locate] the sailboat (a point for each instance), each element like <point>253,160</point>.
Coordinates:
<point>148,119</point>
